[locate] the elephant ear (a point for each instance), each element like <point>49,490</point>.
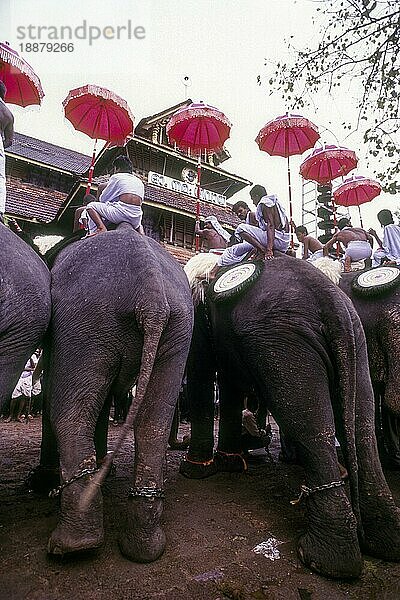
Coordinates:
<point>376,281</point>
<point>232,282</point>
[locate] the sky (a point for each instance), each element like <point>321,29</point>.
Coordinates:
<point>221,45</point>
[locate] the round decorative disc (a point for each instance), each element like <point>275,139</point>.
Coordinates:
<point>378,276</point>
<point>234,277</point>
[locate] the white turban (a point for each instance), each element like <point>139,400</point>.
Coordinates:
<point>217,227</point>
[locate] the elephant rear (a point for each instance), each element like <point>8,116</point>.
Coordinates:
<point>121,312</point>
<point>25,307</point>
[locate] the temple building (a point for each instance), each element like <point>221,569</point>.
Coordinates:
<point>46,183</point>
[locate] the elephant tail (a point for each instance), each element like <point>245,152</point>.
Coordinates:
<point>153,323</point>
<point>344,346</point>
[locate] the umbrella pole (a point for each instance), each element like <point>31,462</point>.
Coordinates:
<point>91,169</point>
<point>290,204</point>
<point>335,226</point>
<point>361,221</point>
<point>197,242</point>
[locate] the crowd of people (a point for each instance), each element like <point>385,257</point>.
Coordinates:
<point>267,229</point>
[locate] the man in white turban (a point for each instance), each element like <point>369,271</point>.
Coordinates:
<point>213,236</point>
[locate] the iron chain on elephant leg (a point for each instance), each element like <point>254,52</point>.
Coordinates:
<point>306,491</point>
<point>151,493</point>
<point>83,472</point>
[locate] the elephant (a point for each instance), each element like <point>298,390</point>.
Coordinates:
<point>25,307</point>
<point>297,340</point>
<point>380,317</point>
<point>121,312</point>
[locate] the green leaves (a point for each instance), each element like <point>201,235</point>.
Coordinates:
<point>359,40</point>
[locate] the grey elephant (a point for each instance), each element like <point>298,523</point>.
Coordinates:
<point>297,340</point>
<point>121,312</point>
<point>25,307</point>
<point>380,317</point>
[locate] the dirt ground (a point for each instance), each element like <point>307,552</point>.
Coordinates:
<point>212,527</point>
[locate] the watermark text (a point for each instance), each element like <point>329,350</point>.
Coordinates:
<point>84,31</point>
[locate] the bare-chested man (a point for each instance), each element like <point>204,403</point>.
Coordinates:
<point>6,139</point>
<point>213,236</point>
<point>241,210</point>
<point>312,248</point>
<point>357,242</point>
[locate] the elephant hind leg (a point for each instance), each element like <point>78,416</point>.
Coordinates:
<point>303,410</point>
<point>143,539</point>
<point>81,531</point>
<point>74,420</point>
<point>79,528</point>
<point>330,546</point>
<point>379,514</point>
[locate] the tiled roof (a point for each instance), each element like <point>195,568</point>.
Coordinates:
<point>187,204</point>
<point>182,255</point>
<point>49,154</point>
<point>182,202</point>
<point>29,201</point>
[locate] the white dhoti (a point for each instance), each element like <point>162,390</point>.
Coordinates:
<point>116,212</point>
<point>377,257</point>
<point>358,250</point>
<point>315,255</point>
<point>24,386</point>
<point>391,245</point>
<point>235,254</point>
<point>2,178</point>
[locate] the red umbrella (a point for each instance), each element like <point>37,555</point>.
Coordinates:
<point>327,163</point>
<point>356,191</point>
<point>198,127</point>
<point>22,83</point>
<point>100,114</point>
<point>286,136</point>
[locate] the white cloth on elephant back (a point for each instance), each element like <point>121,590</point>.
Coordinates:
<point>122,183</point>
<point>2,178</point>
<point>312,256</point>
<point>116,212</point>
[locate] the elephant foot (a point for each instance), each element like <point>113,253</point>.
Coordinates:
<point>79,530</point>
<point>330,546</point>
<point>65,541</point>
<point>382,530</point>
<point>197,469</point>
<point>331,557</point>
<point>143,540</point>
<point>42,480</point>
<point>230,462</point>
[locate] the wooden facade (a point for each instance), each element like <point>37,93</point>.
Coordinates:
<point>46,183</point>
